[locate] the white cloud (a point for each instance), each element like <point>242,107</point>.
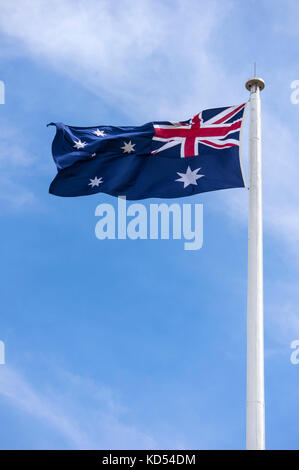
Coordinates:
<point>22,395</point>
<point>85,414</point>
<point>145,55</point>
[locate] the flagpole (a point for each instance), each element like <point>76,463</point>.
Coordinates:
<point>255,418</point>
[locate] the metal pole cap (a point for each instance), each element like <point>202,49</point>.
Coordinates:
<point>255,81</point>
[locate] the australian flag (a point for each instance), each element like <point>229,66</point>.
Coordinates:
<point>159,159</point>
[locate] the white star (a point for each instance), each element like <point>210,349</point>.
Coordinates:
<point>99,133</point>
<point>128,147</point>
<point>79,145</point>
<point>93,154</point>
<point>95,182</point>
<point>189,177</point>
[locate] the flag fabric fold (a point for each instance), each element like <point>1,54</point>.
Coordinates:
<point>159,159</point>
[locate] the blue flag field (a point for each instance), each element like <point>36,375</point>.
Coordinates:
<point>159,159</point>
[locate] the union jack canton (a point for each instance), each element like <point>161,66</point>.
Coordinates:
<point>159,159</point>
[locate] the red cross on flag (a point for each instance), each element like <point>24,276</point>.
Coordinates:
<point>214,132</point>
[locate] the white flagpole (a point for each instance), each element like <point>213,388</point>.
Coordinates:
<point>255,419</point>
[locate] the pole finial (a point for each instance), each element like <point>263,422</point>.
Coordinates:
<point>255,81</point>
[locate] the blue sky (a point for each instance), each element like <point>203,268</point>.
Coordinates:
<point>140,344</point>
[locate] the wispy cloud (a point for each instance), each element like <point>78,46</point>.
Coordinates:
<point>144,55</point>
<point>15,162</point>
<point>84,413</point>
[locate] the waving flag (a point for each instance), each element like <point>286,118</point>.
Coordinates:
<point>159,159</point>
